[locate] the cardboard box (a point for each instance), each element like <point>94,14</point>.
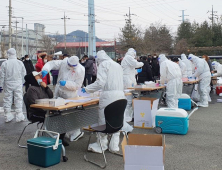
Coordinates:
<point>144,112</point>
<point>143,152</point>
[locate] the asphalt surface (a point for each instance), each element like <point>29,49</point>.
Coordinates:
<point>200,149</point>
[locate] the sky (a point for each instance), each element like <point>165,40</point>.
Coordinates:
<point>109,14</point>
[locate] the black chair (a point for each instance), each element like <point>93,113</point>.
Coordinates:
<point>31,120</point>
<point>114,116</point>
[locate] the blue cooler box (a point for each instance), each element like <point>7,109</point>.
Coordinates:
<point>174,121</point>
<point>41,152</point>
<point>184,102</point>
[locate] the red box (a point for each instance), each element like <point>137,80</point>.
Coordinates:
<point>218,90</point>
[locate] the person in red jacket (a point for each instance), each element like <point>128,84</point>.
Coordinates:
<point>42,59</point>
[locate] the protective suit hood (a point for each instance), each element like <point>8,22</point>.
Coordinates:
<point>131,52</point>
<point>215,64</point>
<point>162,58</point>
<point>102,56</point>
<point>73,61</point>
<point>11,53</point>
<point>193,58</point>
<point>183,57</point>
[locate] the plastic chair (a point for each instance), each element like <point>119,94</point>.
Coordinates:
<point>32,121</point>
<point>114,116</point>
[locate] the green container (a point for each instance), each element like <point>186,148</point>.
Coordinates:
<point>41,153</point>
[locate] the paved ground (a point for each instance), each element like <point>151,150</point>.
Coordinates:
<point>200,149</point>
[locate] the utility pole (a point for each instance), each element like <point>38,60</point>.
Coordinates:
<point>16,44</point>
<point>213,15</point>
<point>128,21</point>
<point>22,32</point>
<point>65,18</point>
<point>91,29</point>
<point>27,48</point>
<point>10,24</point>
<point>183,16</point>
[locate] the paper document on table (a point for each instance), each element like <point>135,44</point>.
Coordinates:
<point>79,101</point>
<point>81,94</point>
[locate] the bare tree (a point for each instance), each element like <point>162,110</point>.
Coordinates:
<point>71,51</point>
<point>181,46</point>
<point>47,44</point>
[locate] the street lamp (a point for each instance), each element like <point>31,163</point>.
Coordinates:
<point>22,32</point>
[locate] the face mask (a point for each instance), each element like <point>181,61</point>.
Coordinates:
<point>39,81</point>
<point>27,59</point>
<point>154,56</point>
<point>45,61</point>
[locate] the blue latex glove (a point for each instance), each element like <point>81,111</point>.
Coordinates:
<point>139,70</point>
<point>62,83</point>
<point>44,73</point>
<point>83,90</point>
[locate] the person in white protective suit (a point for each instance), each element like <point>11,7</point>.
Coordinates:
<point>129,64</point>
<point>218,67</point>
<point>11,80</point>
<point>202,72</point>
<point>170,73</point>
<point>70,79</point>
<point>183,68</point>
<point>110,81</point>
<point>188,64</point>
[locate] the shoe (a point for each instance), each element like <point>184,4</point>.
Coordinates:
<point>202,105</point>
<point>75,138</point>
<point>114,143</point>
<point>20,117</point>
<point>95,147</point>
<point>9,117</point>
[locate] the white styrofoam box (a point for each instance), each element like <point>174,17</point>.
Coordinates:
<point>56,102</point>
<point>184,96</point>
<point>144,114</point>
<point>150,84</point>
<point>140,86</point>
<point>171,112</point>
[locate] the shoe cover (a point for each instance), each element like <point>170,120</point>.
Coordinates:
<point>95,147</point>
<point>20,117</point>
<point>8,117</point>
<point>127,128</point>
<point>202,105</point>
<point>75,135</point>
<point>114,143</point>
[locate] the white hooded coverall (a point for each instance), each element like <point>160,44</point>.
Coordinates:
<point>11,80</point>
<point>129,64</point>
<point>188,64</point>
<point>73,76</point>
<point>202,72</point>
<point>170,72</point>
<point>183,68</point>
<point>110,81</point>
<point>218,67</point>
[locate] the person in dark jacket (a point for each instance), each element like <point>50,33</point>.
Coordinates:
<point>155,67</point>
<point>29,68</point>
<point>146,74</point>
<point>89,69</point>
<point>38,90</point>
